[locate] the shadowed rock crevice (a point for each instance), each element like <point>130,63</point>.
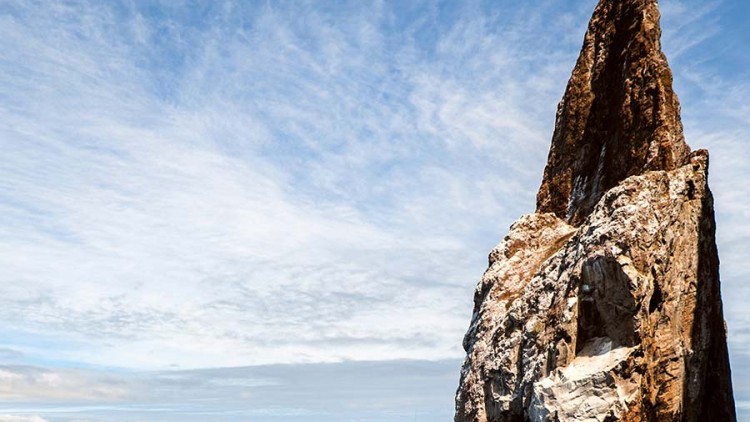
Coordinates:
<point>606,306</point>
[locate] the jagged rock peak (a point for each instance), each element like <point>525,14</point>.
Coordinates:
<point>619,116</point>
<point>605,304</point>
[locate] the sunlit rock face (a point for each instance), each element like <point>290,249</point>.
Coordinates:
<point>605,305</point>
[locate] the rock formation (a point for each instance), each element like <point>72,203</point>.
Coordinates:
<point>605,304</point>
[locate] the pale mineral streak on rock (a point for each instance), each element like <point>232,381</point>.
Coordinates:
<point>589,388</point>
<point>605,305</point>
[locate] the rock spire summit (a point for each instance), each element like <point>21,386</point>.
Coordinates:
<point>619,116</point>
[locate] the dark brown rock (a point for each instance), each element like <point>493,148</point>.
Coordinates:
<point>619,116</point>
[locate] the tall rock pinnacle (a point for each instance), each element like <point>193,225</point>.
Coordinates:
<point>619,116</point>
<point>605,304</point>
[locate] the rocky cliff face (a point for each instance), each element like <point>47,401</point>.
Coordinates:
<point>605,304</point>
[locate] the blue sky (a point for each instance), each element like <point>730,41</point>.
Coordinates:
<point>266,211</point>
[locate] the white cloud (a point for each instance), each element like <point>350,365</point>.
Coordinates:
<point>30,383</point>
<point>316,392</point>
<point>16,418</point>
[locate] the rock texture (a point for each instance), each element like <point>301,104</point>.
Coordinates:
<point>619,116</point>
<point>605,305</point>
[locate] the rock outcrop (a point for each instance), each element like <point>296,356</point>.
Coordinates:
<point>619,116</point>
<point>605,304</point>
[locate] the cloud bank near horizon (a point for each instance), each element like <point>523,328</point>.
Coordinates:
<point>367,391</point>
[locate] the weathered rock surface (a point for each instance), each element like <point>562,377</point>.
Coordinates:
<point>605,305</point>
<point>619,116</point>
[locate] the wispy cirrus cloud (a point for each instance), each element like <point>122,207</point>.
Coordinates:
<point>269,185</point>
